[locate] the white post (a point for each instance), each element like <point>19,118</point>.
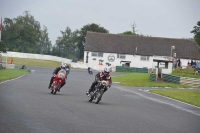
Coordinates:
<point>0,29</point>
<point>6,61</point>
<point>0,35</point>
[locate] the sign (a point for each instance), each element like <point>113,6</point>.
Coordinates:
<point>111,58</point>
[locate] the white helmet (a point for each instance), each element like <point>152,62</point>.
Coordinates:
<point>62,65</point>
<point>106,71</point>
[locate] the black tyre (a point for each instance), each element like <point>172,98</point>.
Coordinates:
<point>91,97</point>
<point>57,88</point>
<point>52,92</point>
<point>98,97</point>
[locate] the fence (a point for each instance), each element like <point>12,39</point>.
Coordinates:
<point>194,82</point>
<point>131,69</point>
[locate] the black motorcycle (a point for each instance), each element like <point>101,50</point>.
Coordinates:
<point>90,71</point>
<point>97,94</point>
<point>67,71</point>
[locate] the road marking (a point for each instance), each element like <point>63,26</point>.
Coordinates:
<point>156,100</point>
<point>11,79</point>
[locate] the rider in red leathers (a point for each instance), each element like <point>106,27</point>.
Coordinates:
<point>55,73</point>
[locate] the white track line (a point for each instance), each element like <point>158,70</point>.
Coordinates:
<point>156,100</point>
<point>11,79</point>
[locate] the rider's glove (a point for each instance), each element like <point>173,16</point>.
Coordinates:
<point>54,75</point>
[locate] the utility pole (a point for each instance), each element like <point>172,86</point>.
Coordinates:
<point>0,29</point>
<point>134,28</point>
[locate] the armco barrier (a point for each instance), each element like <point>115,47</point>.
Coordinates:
<point>190,81</point>
<point>152,77</point>
<point>171,78</point>
<point>194,82</point>
<point>131,69</point>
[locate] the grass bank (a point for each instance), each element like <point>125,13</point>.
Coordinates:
<point>187,72</point>
<point>6,74</point>
<point>33,62</point>
<point>188,96</point>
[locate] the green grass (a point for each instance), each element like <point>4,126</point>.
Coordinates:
<point>33,62</point>
<point>187,72</point>
<point>188,96</point>
<point>6,74</point>
<point>142,80</point>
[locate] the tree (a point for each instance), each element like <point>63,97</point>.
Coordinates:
<point>66,44</point>
<point>22,34</point>
<point>82,34</point>
<point>44,46</point>
<point>128,33</point>
<point>196,32</point>
<point>2,46</point>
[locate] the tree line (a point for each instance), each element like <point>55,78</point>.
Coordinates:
<point>25,34</point>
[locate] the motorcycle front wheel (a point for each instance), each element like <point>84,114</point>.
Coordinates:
<point>91,97</point>
<point>98,97</point>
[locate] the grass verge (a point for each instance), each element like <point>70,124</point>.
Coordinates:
<point>6,74</point>
<point>33,62</point>
<point>187,72</point>
<point>142,80</point>
<point>188,96</point>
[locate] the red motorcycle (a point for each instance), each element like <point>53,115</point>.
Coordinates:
<point>58,81</point>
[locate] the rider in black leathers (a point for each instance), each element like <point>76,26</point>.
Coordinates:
<point>104,75</point>
<point>67,68</point>
<point>54,74</point>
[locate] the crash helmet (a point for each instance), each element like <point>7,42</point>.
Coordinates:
<point>62,66</point>
<point>106,71</point>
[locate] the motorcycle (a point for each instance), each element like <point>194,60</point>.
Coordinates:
<point>58,81</point>
<point>90,71</point>
<point>97,94</point>
<point>67,71</point>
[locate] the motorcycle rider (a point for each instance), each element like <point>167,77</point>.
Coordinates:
<point>104,75</point>
<point>67,68</point>
<point>89,70</point>
<point>55,73</point>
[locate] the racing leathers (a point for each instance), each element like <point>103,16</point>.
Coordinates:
<point>99,77</point>
<point>54,74</point>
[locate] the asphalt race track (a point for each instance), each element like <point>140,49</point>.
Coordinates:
<point>26,106</point>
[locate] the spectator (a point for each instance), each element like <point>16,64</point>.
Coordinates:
<point>179,63</point>
<point>174,63</point>
<point>11,60</point>
<point>191,63</point>
<point>197,64</point>
<point>194,64</point>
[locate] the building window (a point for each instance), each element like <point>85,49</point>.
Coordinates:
<point>97,54</point>
<point>144,58</point>
<point>121,56</point>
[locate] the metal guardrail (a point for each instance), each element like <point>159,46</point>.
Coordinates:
<point>194,82</point>
<point>153,77</point>
<point>131,69</point>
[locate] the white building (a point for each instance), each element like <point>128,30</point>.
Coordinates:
<point>136,51</point>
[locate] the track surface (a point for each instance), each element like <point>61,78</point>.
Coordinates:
<point>26,106</point>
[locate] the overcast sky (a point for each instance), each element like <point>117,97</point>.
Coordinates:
<point>158,18</point>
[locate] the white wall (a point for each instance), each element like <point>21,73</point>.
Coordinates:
<point>36,56</point>
<point>135,60</point>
